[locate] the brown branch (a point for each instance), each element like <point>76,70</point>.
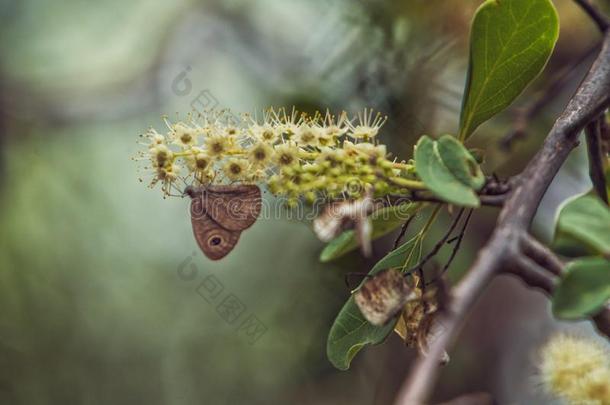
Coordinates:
<point>541,255</point>
<point>533,274</point>
<point>596,158</point>
<point>523,116</point>
<point>589,101</point>
<point>602,321</point>
<point>493,194</point>
<point>597,16</point>
<point>479,398</point>
<point>458,242</point>
<point>438,244</point>
<point>403,231</point>
<point>605,134</point>
<point>546,279</point>
<point>486,200</point>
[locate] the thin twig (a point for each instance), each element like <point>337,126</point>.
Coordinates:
<point>438,244</point>
<point>544,278</point>
<point>541,254</point>
<point>524,115</point>
<point>597,16</point>
<point>596,158</point>
<point>532,274</point>
<point>602,321</point>
<point>605,134</point>
<point>488,200</point>
<point>403,231</point>
<point>456,248</point>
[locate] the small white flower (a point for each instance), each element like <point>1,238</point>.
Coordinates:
<point>184,136</point>
<point>336,128</point>
<point>160,155</point>
<point>376,151</point>
<point>169,173</point>
<point>260,153</point>
<point>286,154</point>
<point>307,135</point>
<point>265,133</point>
<point>288,125</point>
<point>217,145</point>
<point>232,131</point>
<point>235,169</point>
<point>368,125</point>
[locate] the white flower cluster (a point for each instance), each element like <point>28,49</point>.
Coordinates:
<point>221,148</point>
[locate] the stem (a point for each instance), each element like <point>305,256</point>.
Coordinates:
<point>600,19</point>
<point>419,243</point>
<point>545,278</point>
<point>541,255</point>
<point>559,82</point>
<point>596,158</point>
<point>402,166</point>
<point>438,244</point>
<point>403,231</point>
<point>458,242</point>
<point>407,183</point>
<point>422,233</point>
<point>487,200</point>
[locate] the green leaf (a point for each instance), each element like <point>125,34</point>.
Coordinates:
<point>584,290</point>
<point>567,246</point>
<point>384,221</point>
<point>583,226</point>
<point>510,43</point>
<point>397,257</point>
<point>438,178</point>
<point>339,246</point>
<point>351,332</point>
<point>460,162</point>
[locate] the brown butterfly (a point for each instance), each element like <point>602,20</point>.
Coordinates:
<point>219,214</point>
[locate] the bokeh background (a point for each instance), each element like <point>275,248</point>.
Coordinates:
<point>93,307</point>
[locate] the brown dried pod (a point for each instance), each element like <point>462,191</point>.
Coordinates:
<point>341,215</point>
<point>429,331</point>
<point>384,295</point>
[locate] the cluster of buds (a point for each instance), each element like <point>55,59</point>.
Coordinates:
<point>295,154</point>
<point>576,369</point>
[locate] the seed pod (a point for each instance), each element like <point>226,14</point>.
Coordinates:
<point>337,216</point>
<point>429,331</point>
<point>383,296</point>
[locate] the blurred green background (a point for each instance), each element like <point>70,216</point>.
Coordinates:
<point>92,306</point>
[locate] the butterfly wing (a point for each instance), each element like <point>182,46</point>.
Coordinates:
<point>234,207</point>
<point>214,240</point>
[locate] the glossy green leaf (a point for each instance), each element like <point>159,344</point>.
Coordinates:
<point>397,257</point>
<point>351,332</point>
<point>384,221</point>
<point>584,290</point>
<point>583,226</point>
<point>568,246</point>
<point>438,178</point>
<point>510,43</point>
<point>460,162</point>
